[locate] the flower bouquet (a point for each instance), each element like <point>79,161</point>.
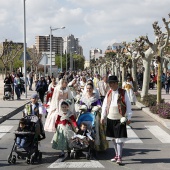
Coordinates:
<point>123,120</point>
<point>83,108</point>
<point>96,108</point>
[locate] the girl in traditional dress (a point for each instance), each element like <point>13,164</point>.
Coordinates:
<point>61,92</point>
<point>128,86</point>
<point>91,100</point>
<point>65,122</point>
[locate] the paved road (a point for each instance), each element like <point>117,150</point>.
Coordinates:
<point>148,148</point>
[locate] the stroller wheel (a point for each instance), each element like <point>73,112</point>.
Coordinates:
<point>9,159</point>
<point>18,157</point>
<point>13,159</point>
<point>4,98</point>
<point>12,97</point>
<point>28,160</point>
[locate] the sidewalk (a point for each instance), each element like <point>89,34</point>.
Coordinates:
<point>9,108</point>
<point>166,97</point>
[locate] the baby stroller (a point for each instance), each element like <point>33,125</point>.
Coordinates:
<point>82,145</point>
<point>8,92</point>
<point>30,150</point>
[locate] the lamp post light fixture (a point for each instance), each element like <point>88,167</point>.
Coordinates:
<point>52,29</point>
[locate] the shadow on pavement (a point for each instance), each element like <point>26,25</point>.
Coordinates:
<point>110,153</point>
<point>149,161</point>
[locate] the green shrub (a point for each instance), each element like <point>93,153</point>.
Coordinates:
<point>138,96</point>
<point>150,100</point>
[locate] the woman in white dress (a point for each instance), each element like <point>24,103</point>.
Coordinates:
<point>128,86</point>
<point>61,92</point>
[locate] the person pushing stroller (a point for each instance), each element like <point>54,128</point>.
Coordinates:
<point>35,108</point>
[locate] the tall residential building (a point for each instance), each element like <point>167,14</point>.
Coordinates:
<point>42,44</point>
<point>71,46</point>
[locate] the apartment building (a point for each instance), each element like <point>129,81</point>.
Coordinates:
<point>42,44</point>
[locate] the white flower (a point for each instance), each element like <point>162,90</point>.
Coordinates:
<point>83,107</point>
<point>95,108</point>
<point>123,120</point>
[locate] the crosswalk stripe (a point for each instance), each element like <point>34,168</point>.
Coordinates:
<point>90,164</point>
<point>159,133</point>
<point>4,130</point>
<point>132,137</point>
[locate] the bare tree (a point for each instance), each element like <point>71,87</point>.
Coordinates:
<point>132,50</point>
<point>36,57</point>
<point>8,51</point>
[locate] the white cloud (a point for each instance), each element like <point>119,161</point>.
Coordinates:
<point>97,23</point>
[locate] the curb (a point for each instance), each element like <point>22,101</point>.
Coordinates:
<point>9,115</point>
<point>14,112</point>
<point>164,122</point>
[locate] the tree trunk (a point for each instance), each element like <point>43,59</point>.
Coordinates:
<point>5,67</point>
<point>116,69</point>
<point>123,74</point>
<point>134,71</point>
<point>113,68</point>
<point>146,77</point>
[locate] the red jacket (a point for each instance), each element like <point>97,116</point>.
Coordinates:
<point>64,122</point>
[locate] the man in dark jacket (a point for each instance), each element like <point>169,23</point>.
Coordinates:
<point>41,88</point>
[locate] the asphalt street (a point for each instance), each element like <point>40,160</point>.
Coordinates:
<point>148,148</point>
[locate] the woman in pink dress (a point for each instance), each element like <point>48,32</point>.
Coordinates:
<point>61,92</point>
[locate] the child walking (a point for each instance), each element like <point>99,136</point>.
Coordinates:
<point>65,122</point>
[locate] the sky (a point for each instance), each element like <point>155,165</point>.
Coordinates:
<point>97,23</point>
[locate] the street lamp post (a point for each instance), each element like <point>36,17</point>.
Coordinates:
<point>52,29</point>
<point>25,72</point>
<point>61,59</point>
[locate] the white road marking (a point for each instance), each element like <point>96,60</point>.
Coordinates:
<point>4,130</point>
<point>132,137</point>
<point>159,133</point>
<point>90,164</point>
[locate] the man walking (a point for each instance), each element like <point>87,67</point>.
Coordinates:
<point>116,107</point>
<point>30,76</point>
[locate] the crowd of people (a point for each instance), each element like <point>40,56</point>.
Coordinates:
<point>72,94</point>
<point>64,98</point>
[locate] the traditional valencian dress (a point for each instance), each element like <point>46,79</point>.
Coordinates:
<point>100,139</point>
<point>113,109</point>
<point>50,92</point>
<point>64,123</point>
<point>58,96</point>
<point>128,86</point>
